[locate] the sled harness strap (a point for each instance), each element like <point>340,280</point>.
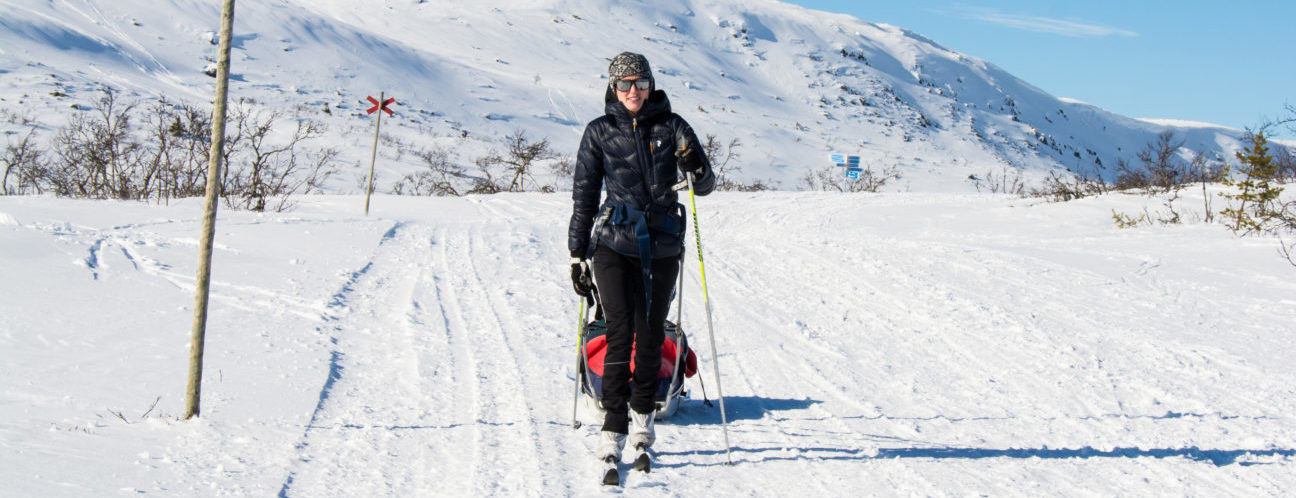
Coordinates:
<point>654,219</point>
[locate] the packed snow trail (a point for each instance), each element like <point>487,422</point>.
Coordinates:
<point>425,347</point>
<point>893,344</point>
<point>945,350</point>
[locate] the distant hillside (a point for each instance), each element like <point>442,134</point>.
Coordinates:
<point>792,84</point>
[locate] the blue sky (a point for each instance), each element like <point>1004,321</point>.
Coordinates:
<point>1225,62</point>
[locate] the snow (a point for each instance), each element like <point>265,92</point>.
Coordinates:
<point>922,341</point>
<point>1179,123</point>
<point>793,84</point>
<point>894,344</point>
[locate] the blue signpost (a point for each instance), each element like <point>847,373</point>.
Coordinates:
<point>850,163</point>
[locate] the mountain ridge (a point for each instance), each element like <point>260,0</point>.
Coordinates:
<point>792,83</point>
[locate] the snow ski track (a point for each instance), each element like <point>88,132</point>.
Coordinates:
<point>765,433</point>
<point>790,444</point>
<point>532,372</point>
<point>366,428</point>
<point>455,388</point>
<point>808,351</point>
<point>805,362</point>
<point>507,460</point>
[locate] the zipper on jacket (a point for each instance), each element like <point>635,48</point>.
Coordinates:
<point>645,161</point>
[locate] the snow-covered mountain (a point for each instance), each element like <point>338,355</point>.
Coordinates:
<point>792,84</point>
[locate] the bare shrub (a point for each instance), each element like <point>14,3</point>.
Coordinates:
<point>723,163</point>
<point>437,179</point>
<point>1285,162</point>
<point>264,173</point>
<point>832,179</point>
<point>522,155</point>
<point>1207,172</point>
<point>109,153</point>
<point>755,186</point>
<point>562,167</point>
<point>1287,252</point>
<point>183,137</point>
<point>95,153</point>
<point>1287,223</point>
<point>1161,168</point>
<point>1284,157</point>
<point>517,163</point>
<point>1058,188</point>
<point>21,117</point>
<point>486,182</point>
<point>24,165</point>
<point>1003,183</point>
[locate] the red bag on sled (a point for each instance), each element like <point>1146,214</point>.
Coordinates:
<point>670,380</point>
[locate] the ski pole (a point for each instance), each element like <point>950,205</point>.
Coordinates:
<point>706,301</point>
<point>580,361</point>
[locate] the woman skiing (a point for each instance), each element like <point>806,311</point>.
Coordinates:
<point>628,248</point>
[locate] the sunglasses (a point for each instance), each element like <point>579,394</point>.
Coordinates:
<point>624,85</point>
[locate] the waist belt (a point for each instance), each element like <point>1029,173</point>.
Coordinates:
<point>654,219</point>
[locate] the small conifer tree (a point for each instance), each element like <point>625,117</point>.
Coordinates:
<point>1257,191</point>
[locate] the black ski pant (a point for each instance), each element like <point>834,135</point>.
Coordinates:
<point>619,280</point>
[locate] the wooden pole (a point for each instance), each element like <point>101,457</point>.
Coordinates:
<point>374,155</point>
<point>203,283</point>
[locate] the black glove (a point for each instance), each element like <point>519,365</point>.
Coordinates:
<point>688,160</point>
<point>582,282</point>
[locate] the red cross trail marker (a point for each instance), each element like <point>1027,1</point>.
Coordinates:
<point>383,105</point>
<point>378,104</point>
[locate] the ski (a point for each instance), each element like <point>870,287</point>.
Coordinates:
<point>611,476</point>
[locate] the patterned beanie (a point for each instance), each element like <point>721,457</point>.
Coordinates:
<point>629,64</point>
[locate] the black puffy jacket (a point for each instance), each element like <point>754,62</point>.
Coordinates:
<point>633,157</point>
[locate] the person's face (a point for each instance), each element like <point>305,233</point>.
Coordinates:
<point>633,97</point>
